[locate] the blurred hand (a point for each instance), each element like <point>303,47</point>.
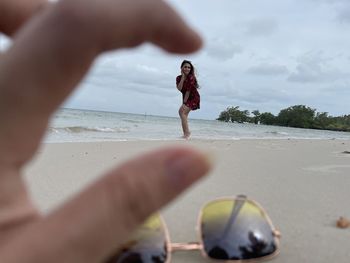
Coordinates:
<point>50,54</point>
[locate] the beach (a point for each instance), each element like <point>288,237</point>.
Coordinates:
<point>302,184</point>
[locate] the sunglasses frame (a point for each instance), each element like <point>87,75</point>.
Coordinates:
<point>173,247</point>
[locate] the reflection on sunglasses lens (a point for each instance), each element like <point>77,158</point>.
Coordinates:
<point>235,230</point>
<point>147,245</point>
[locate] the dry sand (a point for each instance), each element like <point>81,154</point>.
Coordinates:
<point>303,184</point>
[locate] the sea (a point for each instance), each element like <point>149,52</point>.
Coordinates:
<point>74,125</point>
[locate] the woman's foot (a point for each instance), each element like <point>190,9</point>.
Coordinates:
<point>186,136</point>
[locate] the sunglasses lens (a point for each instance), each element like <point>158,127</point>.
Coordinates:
<point>236,230</point>
<point>147,245</point>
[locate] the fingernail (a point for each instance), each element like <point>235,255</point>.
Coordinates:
<point>188,168</point>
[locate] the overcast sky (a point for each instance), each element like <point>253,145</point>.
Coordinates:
<point>258,54</point>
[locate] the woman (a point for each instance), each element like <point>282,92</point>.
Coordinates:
<point>188,85</point>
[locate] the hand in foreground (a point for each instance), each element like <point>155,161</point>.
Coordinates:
<point>50,54</point>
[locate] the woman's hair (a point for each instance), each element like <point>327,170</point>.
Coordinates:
<point>192,71</point>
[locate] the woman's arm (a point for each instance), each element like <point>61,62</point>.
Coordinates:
<point>181,83</point>
<point>191,86</point>
<point>187,94</point>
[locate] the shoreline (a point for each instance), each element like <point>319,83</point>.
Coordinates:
<point>199,140</point>
<point>303,185</point>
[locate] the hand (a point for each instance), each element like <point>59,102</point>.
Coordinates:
<point>49,56</point>
<point>16,12</point>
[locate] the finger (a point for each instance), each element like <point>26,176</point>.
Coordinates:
<point>132,23</point>
<point>15,12</point>
<point>92,226</point>
<point>16,208</point>
<point>52,53</point>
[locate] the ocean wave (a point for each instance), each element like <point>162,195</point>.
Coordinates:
<point>81,129</point>
<point>131,121</point>
<point>277,133</point>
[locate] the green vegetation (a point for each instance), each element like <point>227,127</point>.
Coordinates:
<point>299,116</point>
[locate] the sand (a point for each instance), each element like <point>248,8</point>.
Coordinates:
<point>304,185</point>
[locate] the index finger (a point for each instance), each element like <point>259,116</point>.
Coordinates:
<point>53,52</point>
<point>15,12</point>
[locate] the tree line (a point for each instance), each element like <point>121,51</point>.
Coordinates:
<point>298,116</point>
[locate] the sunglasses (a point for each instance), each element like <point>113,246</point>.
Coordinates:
<point>230,229</point>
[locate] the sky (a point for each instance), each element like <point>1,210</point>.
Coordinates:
<point>261,55</point>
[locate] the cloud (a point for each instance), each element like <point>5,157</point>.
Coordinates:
<point>261,27</point>
<point>314,67</point>
<point>344,15</point>
<point>256,55</point>
<point>332,1</point>
<point>268,69</point>
<point>342,8</point>
<point>222,49</point>
<point>142,77</point>
<point>340,87</point>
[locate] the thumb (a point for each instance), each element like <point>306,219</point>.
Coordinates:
<point>95,223</point>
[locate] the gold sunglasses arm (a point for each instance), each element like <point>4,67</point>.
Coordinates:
<point>185,246</point>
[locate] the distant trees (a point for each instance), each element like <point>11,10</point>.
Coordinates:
<point>256,117</point>
<point>322,120</point>
<point>267,118</point>
<point>341,123</point>
<point>299,116</point>
<point>233,114</point>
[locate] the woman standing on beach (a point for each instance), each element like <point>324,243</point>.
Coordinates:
<point>188,85</point>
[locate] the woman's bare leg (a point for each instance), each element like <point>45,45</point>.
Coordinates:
<point>183,112</point>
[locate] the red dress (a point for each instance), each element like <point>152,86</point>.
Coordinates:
<point>190,84</point>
